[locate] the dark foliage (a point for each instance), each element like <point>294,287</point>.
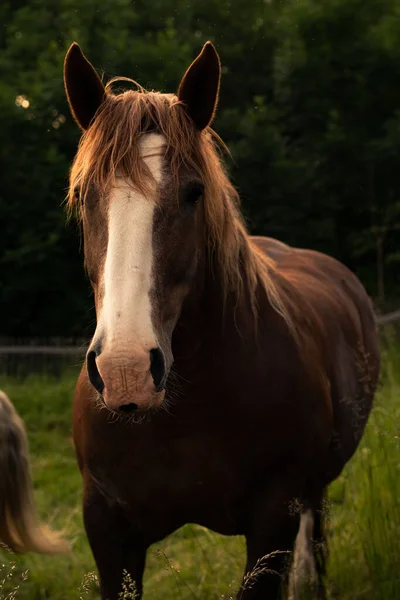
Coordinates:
<point>308,106</point>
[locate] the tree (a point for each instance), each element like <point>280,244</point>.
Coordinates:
<point>336,84</point>
<point>308,107</point>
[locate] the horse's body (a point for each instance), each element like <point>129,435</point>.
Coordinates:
<point>248,433</point>
<point>268,398</point>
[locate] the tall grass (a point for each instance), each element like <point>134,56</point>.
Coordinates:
<point>194,563</point>
<point>365,501</point>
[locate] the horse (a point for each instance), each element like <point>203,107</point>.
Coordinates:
<point>229,378</point>
<point>20,530</point>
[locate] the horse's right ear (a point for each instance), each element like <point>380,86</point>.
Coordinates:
<point>84,89</point>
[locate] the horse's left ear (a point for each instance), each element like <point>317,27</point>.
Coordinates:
<point>85,91</point>
<point>199,87</point>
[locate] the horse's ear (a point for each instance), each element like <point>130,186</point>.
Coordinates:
<point>199,87</point>
<point>85,91</point>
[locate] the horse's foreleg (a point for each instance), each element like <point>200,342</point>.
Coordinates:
<point>117,549</point>
<point>320,546</point>
<point>308,570</point>
<point>270,541</point>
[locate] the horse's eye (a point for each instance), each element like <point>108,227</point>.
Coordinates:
<point>194,193</point>
<point>77,193</point>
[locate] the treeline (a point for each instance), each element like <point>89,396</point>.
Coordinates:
<point>309,107</point>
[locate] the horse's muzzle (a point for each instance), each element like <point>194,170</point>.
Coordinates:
<point>128,381</point>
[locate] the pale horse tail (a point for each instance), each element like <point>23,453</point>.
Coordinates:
<point>19,526</point>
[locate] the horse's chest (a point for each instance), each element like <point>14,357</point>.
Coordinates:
<point>184,479</point>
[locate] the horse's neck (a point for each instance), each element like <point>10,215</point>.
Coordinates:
<point>213,319</point>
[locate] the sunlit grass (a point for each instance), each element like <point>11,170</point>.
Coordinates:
<point>194,563</point>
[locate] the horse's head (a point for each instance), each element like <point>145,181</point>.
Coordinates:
<point>145,165</point>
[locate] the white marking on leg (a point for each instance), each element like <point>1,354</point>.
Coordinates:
<point>304,569</point>
<point>126,307</point>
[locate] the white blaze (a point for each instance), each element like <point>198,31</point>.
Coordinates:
<point>126,307</point>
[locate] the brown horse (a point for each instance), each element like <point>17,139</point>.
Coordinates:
<point>19,527</point>
<point>236,374</point>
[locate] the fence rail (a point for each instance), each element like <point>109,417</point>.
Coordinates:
<point>53,356</point>
<point>50,350</point>
<point>388,318</point>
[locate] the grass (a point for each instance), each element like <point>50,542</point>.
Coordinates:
<point>194,563</point>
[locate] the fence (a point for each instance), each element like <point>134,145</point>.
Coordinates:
<point>53,356</point>
<point>391,317</point>
<point>20,357</point>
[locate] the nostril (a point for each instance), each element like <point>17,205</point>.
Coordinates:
<point>93,372</point>
<point>157,368</point>
<point>128,408</point>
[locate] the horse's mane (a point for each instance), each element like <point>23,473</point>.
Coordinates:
<point>110,145</point>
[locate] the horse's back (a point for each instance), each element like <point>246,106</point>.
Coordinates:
<point>332,297</point>
<point>324,284</point>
